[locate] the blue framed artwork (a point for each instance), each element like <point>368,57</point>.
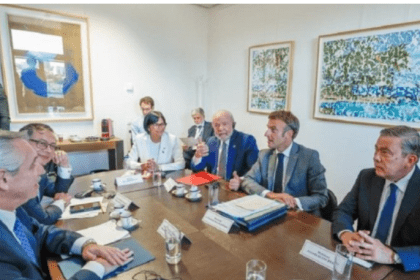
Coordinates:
<point>270,76</point>
<point>370,76</point>
<point>46,65</point>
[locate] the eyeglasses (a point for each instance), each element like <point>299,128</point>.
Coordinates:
<point>159,125</point>
<point>42,144</point>
<point>150,275</point>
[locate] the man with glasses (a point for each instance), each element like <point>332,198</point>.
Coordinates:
<point>287,171</point>
<point>57,179</point>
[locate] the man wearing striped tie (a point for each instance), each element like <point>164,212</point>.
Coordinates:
<point>386,202</point>
<point>26,244</point>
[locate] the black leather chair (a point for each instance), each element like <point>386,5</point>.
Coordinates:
<point>328,210</point>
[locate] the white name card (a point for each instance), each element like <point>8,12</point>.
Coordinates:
<point>170,184</point>
<point>124,201</point>
<point>218,221</point>
<point>128,180</point>
<point>325,257</point>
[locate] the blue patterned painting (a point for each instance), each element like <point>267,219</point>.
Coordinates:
<point>269,77</point>
<point>370,77</point>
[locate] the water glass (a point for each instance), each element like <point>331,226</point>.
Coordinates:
<point>172,247</point>
<point>342,264</point>
<point>255,270</point>
<point>213,197</point>
<point>157,178</point>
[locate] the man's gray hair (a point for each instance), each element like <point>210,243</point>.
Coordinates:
<point>410,143</point>
<point>197,111</point>
<point>224,112</point>
<point>11,158</point>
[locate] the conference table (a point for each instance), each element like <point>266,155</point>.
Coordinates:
<point>214,254</point>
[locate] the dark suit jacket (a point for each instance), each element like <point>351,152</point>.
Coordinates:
<point>4,110</point>
<point>305,177</point>
<point>242,154</point>
<point>49,185</point>
<point>45,240</point>
<point>207,133</point>
<point>362,203</point>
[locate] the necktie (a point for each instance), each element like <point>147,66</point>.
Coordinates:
<point>386,215</point>
<point>222,161</point>
<point>199,131</point>
<point>278,181</point>
<point>21,235</point>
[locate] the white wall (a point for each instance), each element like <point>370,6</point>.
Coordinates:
<point>344,149</point>
<point>160,49</point>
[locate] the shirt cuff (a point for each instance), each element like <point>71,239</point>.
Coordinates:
<point>341,232</point>
<point>60,204</point>
<point>64,172</point>
<point>76,249</point>
<point>96,268</point>
<point>196,160</point>
<point>299,204</point>
<point>264,193</point>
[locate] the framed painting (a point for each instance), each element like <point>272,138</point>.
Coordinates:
<point>270,77</point>
<point>46,65</point>
<point>370,76</point>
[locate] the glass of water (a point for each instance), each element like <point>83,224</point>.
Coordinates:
<point>213,197</point>
<point>173,246</point>
<point>343,263</point>
<point>157,178</point>
<point>255,270</point>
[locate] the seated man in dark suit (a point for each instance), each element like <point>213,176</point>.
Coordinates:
<point>57,179</point>
<point>228,151</point>
<point>201,130</point>
<point>288,172</point>
<point>26,244</point>
<point>386,202</point>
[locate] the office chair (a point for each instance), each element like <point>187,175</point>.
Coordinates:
<point>328,210</point>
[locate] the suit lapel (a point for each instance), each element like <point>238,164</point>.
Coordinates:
<point>271,157</point>
<point>293,157</point>
<point>375,198</point>
<point>411,198</point>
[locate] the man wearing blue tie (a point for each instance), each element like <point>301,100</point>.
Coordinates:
<point>386,202</point>
<point>226,152</point>
<point>287,171</point>
<point>26,244</point>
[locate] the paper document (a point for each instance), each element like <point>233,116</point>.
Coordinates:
<point>247,206</point>
<point>74,201</point>
<point>105,233</point>
<point>190,141</point>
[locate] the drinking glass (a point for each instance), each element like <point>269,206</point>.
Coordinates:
<point>342,264</point>
<point>172,247</point>
<point>255,270</point>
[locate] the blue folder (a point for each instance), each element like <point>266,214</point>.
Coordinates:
<point>70,266</point>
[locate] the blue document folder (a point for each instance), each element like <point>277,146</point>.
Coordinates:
<point>72,265</point>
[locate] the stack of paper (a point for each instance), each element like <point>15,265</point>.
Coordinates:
<point>105,233</point>
<point>198,179</point>
<point>74,201</point>
<point>252,211</point>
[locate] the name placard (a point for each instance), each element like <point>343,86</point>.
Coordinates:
<point>218,221</point>
<point>128,180</point>
<point>325,257</point>
<point>170,184</point>
<point>168,227</point>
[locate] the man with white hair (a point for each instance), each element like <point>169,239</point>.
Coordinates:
<point>26,244</point>
<point>228,151</point>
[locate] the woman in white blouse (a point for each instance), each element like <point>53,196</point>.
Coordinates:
<point>155,148</point>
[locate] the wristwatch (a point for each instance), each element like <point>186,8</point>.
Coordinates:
<point>395,258</point>
<point>87,243</point>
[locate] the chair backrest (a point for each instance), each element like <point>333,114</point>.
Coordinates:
<point>328,210</point>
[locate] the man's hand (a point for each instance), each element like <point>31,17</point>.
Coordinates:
<point>349,238</point>
<point>283,197</point>
<point>151,165</point>
<point>202,150</point>
<point>64,196</point>
<point>235,182</point>
<point>114,256</point>
<point>109,267</point>
<point>61,159</point>
<point>372,249</point>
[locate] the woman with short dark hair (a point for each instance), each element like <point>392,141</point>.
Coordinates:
<point>156,147</point>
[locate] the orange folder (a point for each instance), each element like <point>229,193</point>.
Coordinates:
<point>198,179</point>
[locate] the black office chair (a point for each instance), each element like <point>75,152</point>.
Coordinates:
<point>328,210</point>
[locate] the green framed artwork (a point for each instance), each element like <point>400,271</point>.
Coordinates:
<point>370,76</point>
<point>270,76</point>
